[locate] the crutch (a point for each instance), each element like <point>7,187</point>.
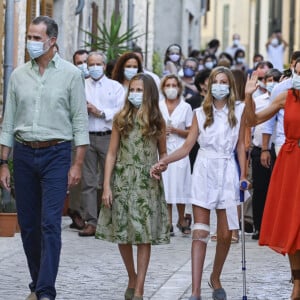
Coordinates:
<point>244,185</point>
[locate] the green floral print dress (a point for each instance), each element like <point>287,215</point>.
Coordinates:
<point>139,211</point>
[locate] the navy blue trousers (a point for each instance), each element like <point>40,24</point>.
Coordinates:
<point>41,178</point>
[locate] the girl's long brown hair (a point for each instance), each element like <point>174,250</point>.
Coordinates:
<point>148,115</point>
<point>230,100</point>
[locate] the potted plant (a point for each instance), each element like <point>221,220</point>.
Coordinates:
<point>8,214</point>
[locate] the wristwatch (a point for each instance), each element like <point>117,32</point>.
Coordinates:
<point>3,162</point>
<point>102,115</point>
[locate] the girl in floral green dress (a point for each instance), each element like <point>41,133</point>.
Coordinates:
<point>134,210</point>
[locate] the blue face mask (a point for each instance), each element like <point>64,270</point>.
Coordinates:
<point>296,81</point>
<point>36,49</point>
<point>96,72</point>
<point>136,98</point>
<point>83,68</point>
<point>188,72</point>
<point>130,72</point>
<point>219,91</point>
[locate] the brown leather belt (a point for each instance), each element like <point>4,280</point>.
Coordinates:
<point>100,133</point>
<point>42,144</point>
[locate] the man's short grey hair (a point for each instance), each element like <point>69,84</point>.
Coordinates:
<point>99,53</point>
<point>52,27</point>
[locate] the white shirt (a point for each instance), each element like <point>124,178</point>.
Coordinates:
<point>232,49</point>
<point>275,55</point>
<point>261,102</point>
<point>108,96</point>
<point>276,122</point>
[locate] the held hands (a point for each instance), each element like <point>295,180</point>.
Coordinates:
<point>157,169</point>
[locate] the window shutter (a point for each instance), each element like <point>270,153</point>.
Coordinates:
<point>47,8</point>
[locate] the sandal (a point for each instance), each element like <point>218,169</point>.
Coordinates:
<point>213,237</point>
<point>184,229</point>
<point>234,240</point>
<point>217,294</point>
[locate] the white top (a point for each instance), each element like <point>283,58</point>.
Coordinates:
<point>177,177</point>
<point>107,95</point>
<point>275,55</point>
<point>261,102</point>
<point>276,122</point>
<point>232,49</point>
<point>215,179</point>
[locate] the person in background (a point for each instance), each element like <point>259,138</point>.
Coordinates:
<point>236,45</point>
<point>190,69</point>
<point>104,98</point>
<point>43,115</point>
<point>227,57</point>
<point>240,61</point>
<point>261,174</point>
<point>257,58</point>
<point>281,222</point>
<point>172,60</point>
<point>138,51</point>
<point>75,209</point>
<point>219,126</point>
<point>276,46</point>
<point>261,70</point>
<point>127,65</point>
<point>178,117</point>
<point>213,46</point>
<point>134,210</point>
<point>210,61</point>
<point>80,60</point>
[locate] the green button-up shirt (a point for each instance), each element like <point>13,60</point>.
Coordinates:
<point>47,107</point>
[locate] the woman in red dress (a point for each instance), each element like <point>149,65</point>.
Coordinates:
<point>281,220</point>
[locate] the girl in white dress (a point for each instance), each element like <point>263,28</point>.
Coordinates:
<point>178,116</point>
<point>219,127</point>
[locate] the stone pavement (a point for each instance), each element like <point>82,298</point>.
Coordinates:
<point>91,269</point>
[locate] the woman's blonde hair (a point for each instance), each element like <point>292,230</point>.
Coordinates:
<point>149,117</point>
<point>230,99</point>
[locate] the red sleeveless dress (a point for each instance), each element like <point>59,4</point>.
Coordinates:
<point>280,229</point>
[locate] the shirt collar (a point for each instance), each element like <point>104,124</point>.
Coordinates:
<point>53,62</point>
<point>224,109</point>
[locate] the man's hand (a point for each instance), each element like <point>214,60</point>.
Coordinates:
<point>265,159</point>
<point>5,177</point>
<point>74,176</point>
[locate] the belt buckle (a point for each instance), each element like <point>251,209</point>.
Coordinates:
<point>34,145</point>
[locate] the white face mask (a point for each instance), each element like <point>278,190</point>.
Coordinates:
<point>274,42</point>
<point>236,42</point>
<point>209,65</point>
<point>296,81</point>
<point>130,72</point>
<point>171,93</point>
<point>136,98</point>
<point>219,91</point>
<point>174,57</point>
<point>240,60</point>
<point>36,49</point>
<point>270,86</point>
<point>83,68</point>
<point>96,72</point>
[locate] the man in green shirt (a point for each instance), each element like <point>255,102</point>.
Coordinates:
<point>45,110</point>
